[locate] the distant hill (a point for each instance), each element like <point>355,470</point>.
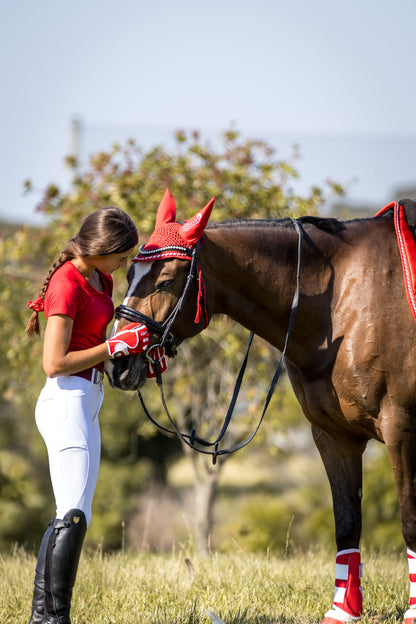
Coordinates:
<point>8,228</point>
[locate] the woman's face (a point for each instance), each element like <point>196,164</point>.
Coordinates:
<point>111,262</point>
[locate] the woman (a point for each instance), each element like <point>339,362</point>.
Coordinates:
<point>76,298</point>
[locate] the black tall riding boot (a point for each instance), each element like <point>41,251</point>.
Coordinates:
<point>38,602</point>
<point>62,557</point>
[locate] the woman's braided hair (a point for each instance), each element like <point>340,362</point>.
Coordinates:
<point>103,232</point>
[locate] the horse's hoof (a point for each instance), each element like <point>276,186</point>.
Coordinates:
<point>328,619</point>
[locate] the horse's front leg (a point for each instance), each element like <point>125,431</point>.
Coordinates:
<point>344,469</point>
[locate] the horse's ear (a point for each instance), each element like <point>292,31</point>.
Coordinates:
<point>166,213</point>
<point>191,231</point>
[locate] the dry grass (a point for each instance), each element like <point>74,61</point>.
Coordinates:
<point>240,588</point>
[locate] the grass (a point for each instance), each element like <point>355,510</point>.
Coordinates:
<point>129,588</point>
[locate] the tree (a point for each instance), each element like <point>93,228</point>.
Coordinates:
<point>248,181</point>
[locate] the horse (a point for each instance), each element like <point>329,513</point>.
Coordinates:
<point>350,356</point>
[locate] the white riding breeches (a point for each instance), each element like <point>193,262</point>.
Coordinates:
<point>67,418</point>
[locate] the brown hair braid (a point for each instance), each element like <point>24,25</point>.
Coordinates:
<point>103,232</point>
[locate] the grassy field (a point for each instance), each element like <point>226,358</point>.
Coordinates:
<point>179,588</point>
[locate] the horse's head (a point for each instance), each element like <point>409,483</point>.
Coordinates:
<point>166,291</point>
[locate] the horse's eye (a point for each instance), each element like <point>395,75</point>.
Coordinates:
<point>164,285</point>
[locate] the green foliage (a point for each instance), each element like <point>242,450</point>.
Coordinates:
<point>118,490</point>
<point>293,507</point>
<point>381,512</point>
<point>244,175</point>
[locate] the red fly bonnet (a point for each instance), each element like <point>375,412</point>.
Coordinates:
<point>171,239</point>
<point>177,240</point>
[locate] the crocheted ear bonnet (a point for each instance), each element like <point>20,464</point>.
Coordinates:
<point>171,239</point>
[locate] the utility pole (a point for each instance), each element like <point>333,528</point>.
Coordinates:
<point>76,128</point>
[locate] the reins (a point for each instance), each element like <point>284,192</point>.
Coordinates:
<point>163,330</point>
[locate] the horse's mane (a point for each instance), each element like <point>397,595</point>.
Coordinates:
<point>326,224</point>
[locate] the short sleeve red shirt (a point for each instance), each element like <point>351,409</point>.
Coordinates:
<point>69,293</point>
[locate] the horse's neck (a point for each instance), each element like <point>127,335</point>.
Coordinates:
<point>250,272</point>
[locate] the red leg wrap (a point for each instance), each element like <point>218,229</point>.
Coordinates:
<point>410,615</point>
<point>348,597</point>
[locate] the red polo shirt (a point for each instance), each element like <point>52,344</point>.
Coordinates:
<point>71,294</point>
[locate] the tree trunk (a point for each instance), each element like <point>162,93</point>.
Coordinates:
<point>205,490</point>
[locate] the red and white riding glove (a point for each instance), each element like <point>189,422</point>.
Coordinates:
<point>134,338</point>
<point>156,354</point>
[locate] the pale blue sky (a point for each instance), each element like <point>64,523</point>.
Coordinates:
<point>324,74</point>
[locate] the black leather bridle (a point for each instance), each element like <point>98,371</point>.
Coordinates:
<point>167,342</point>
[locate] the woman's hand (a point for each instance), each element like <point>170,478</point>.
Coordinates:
<point>133,338</point>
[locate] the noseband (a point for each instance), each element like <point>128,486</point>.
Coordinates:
<point>167,340</point>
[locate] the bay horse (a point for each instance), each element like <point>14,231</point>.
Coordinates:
<point>351,354</point>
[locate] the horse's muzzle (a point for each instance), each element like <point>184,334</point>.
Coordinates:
<point>127,373</point>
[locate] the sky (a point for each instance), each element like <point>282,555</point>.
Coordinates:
<point>335,77</point>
